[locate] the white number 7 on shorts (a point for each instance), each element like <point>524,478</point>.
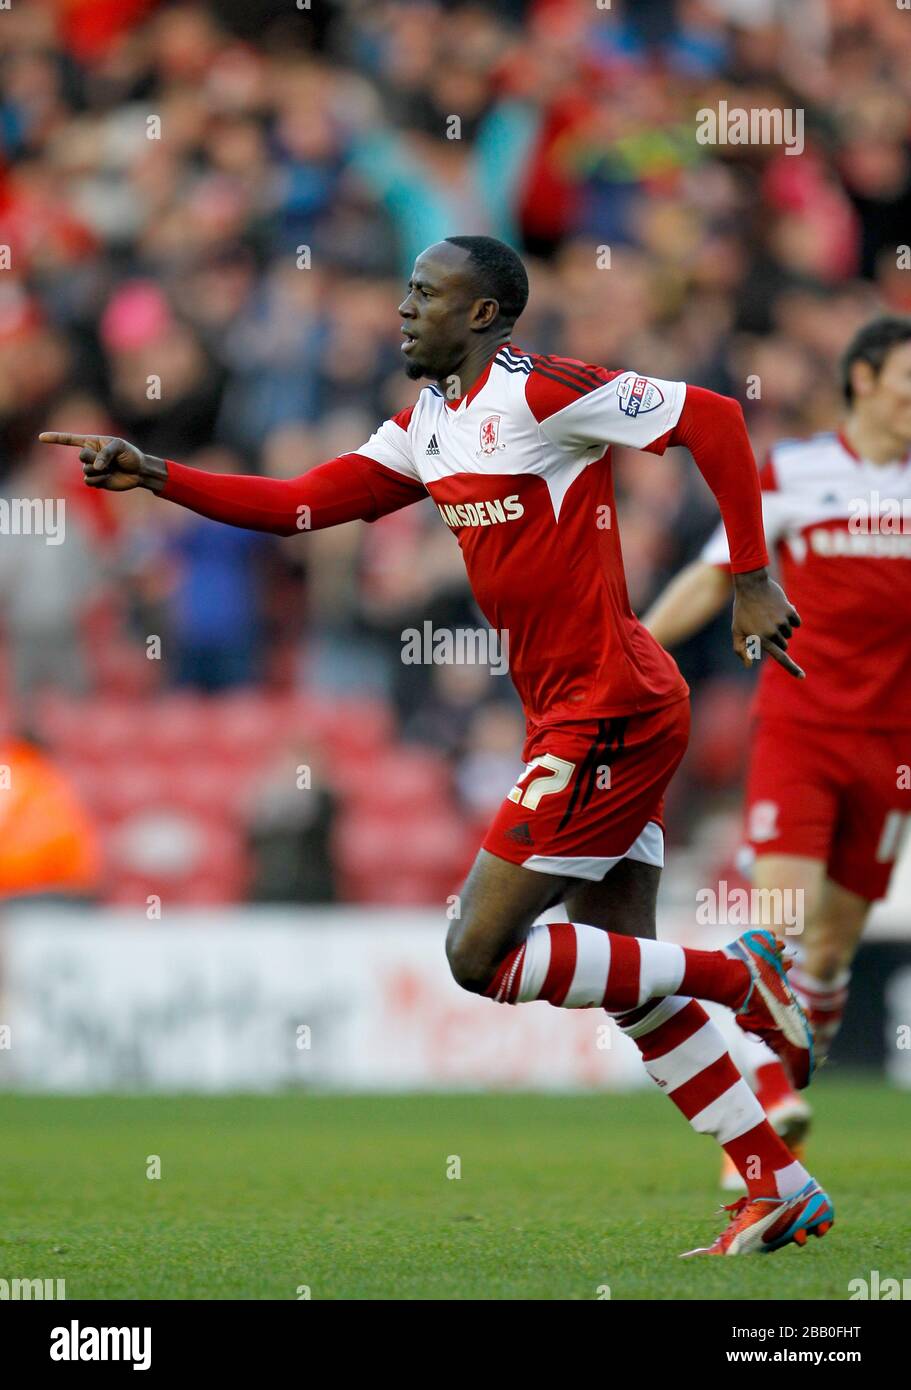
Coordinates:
<point>559,771</point>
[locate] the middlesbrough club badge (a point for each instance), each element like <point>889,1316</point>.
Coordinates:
<point>490,434</point>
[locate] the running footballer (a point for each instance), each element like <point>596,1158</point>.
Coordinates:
<point>514,449</point>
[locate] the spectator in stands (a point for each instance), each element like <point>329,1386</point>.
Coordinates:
<point>215,617</point>
<point>49,577</point>
<point>289,826</point>
<point>49,846</point>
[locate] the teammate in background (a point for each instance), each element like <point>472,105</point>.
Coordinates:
<point>828,799</point>
<point>514,449</point>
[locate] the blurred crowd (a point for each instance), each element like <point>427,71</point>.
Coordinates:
<point>208,213</point>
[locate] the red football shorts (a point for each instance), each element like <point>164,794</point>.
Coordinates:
<point>838,795</point>
<point>592,793</point>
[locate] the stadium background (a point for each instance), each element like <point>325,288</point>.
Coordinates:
<point>165,679</point>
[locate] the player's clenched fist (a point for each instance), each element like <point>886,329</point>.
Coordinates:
<point>111,463</point>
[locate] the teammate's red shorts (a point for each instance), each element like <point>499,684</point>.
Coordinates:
<point>838,795</point>
<point>592,793</point>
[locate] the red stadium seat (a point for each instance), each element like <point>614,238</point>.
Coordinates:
<point>401,890</point>
<point>358,726</point>
<point>96,728</point>
<point>210,889</point>
<point>377,853</point>
<point>170,780</point>
<point>180,726</point>
<point>129,785</point>
<point>169,854</point>
<point>89,777</point>
<point>244,725</point>
<point>202,890</point>
<point>401,778</point>
<point>211,784</point>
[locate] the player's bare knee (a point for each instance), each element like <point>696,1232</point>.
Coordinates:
<point>470,967</point>
<point>469,971</point>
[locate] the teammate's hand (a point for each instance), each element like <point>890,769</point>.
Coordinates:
<point>762,610</point>
<point>107,463</point>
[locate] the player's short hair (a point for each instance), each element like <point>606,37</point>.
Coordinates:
<point>500,272</point>
<point>872,344</point>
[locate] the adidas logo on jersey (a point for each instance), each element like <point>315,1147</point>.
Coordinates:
<point>433,447</point>
<point>520,833</point>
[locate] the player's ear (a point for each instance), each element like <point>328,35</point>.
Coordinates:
<point>483,313</point>
<point>863,378</point>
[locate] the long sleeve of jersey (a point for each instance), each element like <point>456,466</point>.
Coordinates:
<point>712,427</point>
<point>351,487</point>
<point>777,515</point>
<point>582,407</point>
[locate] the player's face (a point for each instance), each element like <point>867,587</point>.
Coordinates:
<point>438,312</point>
<point>889,401</point>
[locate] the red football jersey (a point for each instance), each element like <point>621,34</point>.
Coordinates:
<point>834,521</point>
<point>520,470</point>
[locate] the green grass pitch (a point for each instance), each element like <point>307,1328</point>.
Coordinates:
<point>558,1196</point>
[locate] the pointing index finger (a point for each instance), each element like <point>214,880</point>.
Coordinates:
<point>781,656</point>
<point>50,437</point>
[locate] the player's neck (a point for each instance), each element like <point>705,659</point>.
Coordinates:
<point>873,444</point>
<point>473,364</point>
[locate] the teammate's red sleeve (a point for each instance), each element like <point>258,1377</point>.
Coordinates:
<point>712,427</point>
<point>351,487</point>
<point>768,478</point>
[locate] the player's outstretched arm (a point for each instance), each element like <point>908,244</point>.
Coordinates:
<point>693,598</point>
<point>352,487</point>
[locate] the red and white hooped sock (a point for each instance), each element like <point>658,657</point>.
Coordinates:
<point>575,966</point>
<point>772,1085</point>
<point>685,1054</point>
<point>823,1002</point>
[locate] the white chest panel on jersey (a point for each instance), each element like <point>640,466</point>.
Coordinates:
<point>820,483</point>
<point>492,432</point>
